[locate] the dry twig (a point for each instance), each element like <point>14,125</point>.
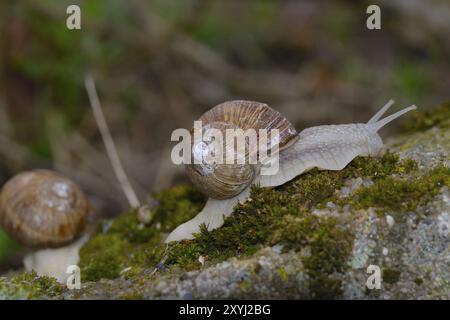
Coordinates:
<point>109,143</point>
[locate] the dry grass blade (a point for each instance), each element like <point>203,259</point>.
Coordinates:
<point>109,143</point>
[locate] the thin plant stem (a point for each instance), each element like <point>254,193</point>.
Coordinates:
<point>111,149</point>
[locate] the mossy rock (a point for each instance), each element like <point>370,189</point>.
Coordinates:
<point>305,239</point>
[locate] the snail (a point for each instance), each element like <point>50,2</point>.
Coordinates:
<point>46,213</point>
<point>328,147</point>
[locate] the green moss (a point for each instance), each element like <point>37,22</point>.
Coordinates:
<point>372,293</point>
<point>391,276</point>
<point>127,243</point>
<point>127,227</point>
<point>107,254</point>
<point>177,205</point>
<point>377,168</point>
<point>330,248</point>
<point>324,287</point>
<point>418,281</point>
<point>245,285</point>
<point>103,256</point>
<point>435,117</point>
<point>30,286</point>
<point>402,194</point>
<point>283,275</point>
<point>132,296</point>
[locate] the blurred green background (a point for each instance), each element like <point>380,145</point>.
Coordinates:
<point>160,64</point>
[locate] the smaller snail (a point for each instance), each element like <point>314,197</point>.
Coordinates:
<point>46,213</point>
<point>328,147</point>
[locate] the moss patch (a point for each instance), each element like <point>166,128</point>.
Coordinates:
<point>132,296</point>
<point>330,249</point>
<point>29,286</point>
<point>418,281</point>
<point>402,194</point>
<point>391,276</point>
<point>103,257</point>
<point>125,242</point>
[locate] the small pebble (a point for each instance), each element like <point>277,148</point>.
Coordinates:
<point>347,208</point>
<point>331,205</point>
<point>371,244</point>
<point>160,266</point>
<point>390,221</point>
<point>277,248</point>
<point>444,224</point>
<point>125,270</point>
<point>385,251</point>
<point>145,214</point>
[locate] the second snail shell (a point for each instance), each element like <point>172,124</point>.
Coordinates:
<point>42,209</point>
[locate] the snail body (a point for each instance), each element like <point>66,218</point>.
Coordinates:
<point>46,213</point>
<point>328,147</point>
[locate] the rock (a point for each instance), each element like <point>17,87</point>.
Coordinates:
<point>323,232</point>
<point>390,221</point>
<point>352,185</point>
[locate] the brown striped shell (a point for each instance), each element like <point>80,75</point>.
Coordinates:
<point>223,181</point>
<point>42,209</point>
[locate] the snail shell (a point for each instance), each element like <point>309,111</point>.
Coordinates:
<point>42,209</point>
<point>223,181</point>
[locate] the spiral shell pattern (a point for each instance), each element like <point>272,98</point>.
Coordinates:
<point>42,209</point>
<point>223,181</point>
